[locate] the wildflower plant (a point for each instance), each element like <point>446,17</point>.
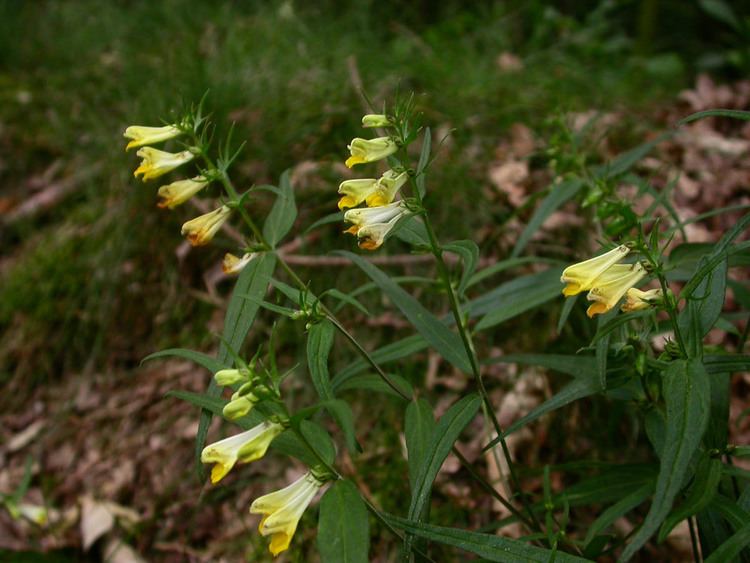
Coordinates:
<point>679,392</point>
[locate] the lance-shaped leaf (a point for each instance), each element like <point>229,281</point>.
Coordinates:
<point>445,341</point>
<point>687,394</point>
<point>282,214</point>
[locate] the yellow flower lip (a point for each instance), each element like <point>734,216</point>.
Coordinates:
<point>375,193</point>
<point>202,229</point>
<point>611,285</point>
<point>581,276</point>
<point>370,150</point>
<point>283,509</point>
<point>245,447</point>
<point>142,135</point>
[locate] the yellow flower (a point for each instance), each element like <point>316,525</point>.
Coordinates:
<point>373,192</point>
<point>225,377</point>
<point>376,120</point>
<point>611,285</point>
<point>240,448</point>
<point>142,135</point>
<point>282,510</point>
<point>201,230</point>
<point>234,265</point>
<point>637,300</point>
<point>179,192</point>
<point>157,163</point>
<point>372,224</point>
<point>370,150</point>
<point>239,406</point>
<point>34,513</point>
<point>581,276</point>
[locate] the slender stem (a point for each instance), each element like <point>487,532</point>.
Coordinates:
<point>670,307</point>
<point>468,344</point>
<point>694,541</point>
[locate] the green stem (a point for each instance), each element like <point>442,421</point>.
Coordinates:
<point>468,344</point>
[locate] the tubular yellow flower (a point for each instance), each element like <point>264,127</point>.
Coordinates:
<point>234,265</point>
<point>282,510</point>
<point>157,163</point>
<point>370,150</point>
<point>581,276</point>
<point>372,224</point>
<point>611,285</point>
<point>179,192</point>
<point>374,193</point>
<point>201,230</point>
<point>637,300</point>
<point>376,120</point>
<point>240,448</point>
<point>142,135</point>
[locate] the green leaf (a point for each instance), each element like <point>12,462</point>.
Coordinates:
<point>373,382</point>
<point>709,300</point>
<point>209,362</point>
<point>577,366</point>
<point>568,305</point>
<point>628,159</point>
<point>345,299</point>
<point>342,414</point>
<point>424,160</point>
<point>412,231</point>
<point>610,485</point>
<point>730,548</point>
<point>733,113</point>
<point>388,353</point>
<point>319,343</point>
<point>712,530</point>
<point>253,281</point>
<point>446,342</point>
<point>447,431</point>
<point>419,430</point>
<point>558,195</point>
<point>687,395</point>
<point>608,327</point>
<point>720,363</point>
<point>508,264</point>
<point>701,492</point>
<point>618,510</point>
<point>343,525</point>
<point>469,253</point>
<point>717,431</point>
<point>487,546</point>
<point>283,213</point>
<point>527,292</point>
<point>319,439</point>
<point>723,12</point>
<point>214,405</point>
<point>335,217</point>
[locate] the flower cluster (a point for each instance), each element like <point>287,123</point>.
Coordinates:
<point>281,509</point>
<point>607,282</point>
<point>156,163</point>
<point>371,224</point>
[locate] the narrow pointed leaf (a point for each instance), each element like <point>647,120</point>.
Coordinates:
<point>283,213</point>
<point>446,342</point>
<point>687,394</point>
